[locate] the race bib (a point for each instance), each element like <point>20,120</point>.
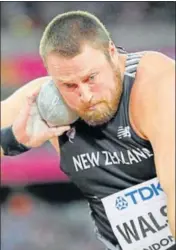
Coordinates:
<point>138,217</point>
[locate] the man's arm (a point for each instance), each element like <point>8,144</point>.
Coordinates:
<point>162,138</point>
<point>28,129</point>
<point>11,107</point>
<point>160,130</point>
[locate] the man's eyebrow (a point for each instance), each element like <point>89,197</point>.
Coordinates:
<point>85,74</point>
<point>88,73</point>
<point>63,80</point>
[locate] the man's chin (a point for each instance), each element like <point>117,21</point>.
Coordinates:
<point>97,122</point>
<point>98,117</point>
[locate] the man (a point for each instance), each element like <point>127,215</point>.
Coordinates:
<point>124,137</point>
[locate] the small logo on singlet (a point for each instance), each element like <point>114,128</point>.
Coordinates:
<point>121,203</point>
<point>71,134</point>
<point>123,132</point>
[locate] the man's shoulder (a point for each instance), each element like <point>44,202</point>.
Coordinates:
<point>153,67</point>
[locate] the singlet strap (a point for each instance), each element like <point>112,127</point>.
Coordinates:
<point>132,62</point>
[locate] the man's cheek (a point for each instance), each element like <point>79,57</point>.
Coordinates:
<point>96,88</point>
<point>74,103</point>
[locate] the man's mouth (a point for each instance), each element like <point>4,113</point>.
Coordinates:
<point>94,106</point>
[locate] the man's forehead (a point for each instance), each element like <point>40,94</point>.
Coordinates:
<point>88,57</point>
<point>85,63</point>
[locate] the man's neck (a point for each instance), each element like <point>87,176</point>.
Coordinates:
<point>121,61</point>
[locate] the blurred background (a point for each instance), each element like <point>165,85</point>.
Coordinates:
<point>40,208</point>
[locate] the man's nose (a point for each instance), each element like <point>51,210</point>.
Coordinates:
<point>85,93</point>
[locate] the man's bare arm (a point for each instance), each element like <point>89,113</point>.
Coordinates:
<point>160,130</point>
<point>11,107</point>
<point>162,138</point>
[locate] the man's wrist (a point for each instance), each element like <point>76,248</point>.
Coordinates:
<point>9,143</point>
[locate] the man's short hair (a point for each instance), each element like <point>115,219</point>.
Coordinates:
<point>68,32</point>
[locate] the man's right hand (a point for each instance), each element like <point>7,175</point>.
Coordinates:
<point>29,128</point>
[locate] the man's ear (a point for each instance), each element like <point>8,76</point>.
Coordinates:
<point>112,49</point>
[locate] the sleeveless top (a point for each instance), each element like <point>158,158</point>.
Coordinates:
<point>109,158</point>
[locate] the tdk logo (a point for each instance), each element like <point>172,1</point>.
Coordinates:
<point>144,193</point>
<point>121,203</point>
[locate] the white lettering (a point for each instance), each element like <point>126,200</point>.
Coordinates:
<point>107,160</point>
<point>147,152</point>
<point>88,160</point>
<point>94,158</point>
<point>84,161</point>
<point>131,157</point>
<point>123,158</point>
<point>113,158</point>
<point>138,154</point>
<point>116,156</point>
<point>77,163</point>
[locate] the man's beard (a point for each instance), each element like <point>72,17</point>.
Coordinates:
<point>104,109</point>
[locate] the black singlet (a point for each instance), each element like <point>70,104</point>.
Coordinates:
<point>107,159</point>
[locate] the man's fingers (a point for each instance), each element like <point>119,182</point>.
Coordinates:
<point>25,111</point>
<point>57,131</point>
<point>27,114</point>
<point>30,100</point>
<point>33,95</point>
<point>39,139</point>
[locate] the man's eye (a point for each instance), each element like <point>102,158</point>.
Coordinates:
<point>92,77</point>
<point>70,86</point>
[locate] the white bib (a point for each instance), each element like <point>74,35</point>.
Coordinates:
<point>138,217</point>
